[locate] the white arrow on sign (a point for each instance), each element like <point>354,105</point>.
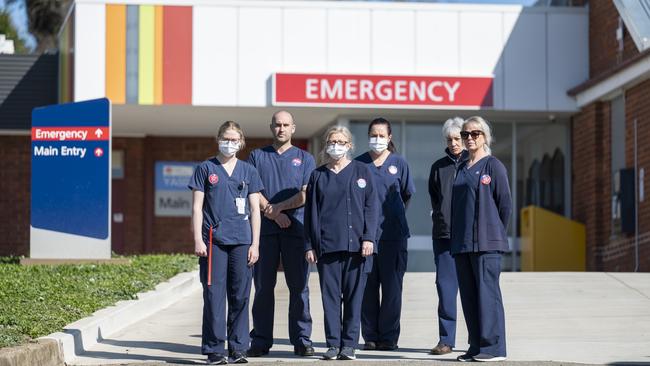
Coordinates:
<point>99,133</point>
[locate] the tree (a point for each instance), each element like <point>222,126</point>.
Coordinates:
<point>8,29</point>
<point>45,18</point>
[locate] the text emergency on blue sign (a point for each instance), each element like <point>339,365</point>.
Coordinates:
<point>172,197</point>
<point>71,168</point>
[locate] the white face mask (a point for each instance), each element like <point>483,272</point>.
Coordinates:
<point>378,144</point>
<point>228,148</point>
<point>336,151</point>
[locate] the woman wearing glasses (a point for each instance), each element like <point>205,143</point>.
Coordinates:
<point>481,207</point>
<point>341,224</point>
<point>226,226</point>
<point>380,317</point>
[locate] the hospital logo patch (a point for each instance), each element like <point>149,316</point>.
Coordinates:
<point>485,179</point>
<point>392,169</point>
<point>213,178</point>
<point>296,162</point>
<point>361,183</point>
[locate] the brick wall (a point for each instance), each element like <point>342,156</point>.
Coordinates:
<point>603,46</point>
<point>15,164</point>
<point>591,177</point>
<point>133,199</point>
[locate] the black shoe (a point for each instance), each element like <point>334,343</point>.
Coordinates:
<point>386,346</point>
<point>484,357</point>
<point>370,346</point>
<point>465,357</point>
<point>238,357</point>
<point>347,353</point>
<point>303,351</point>
<point>216,359</point>
<point>257,351</point>
<point>331,353</point>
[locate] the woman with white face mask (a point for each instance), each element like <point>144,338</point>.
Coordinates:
<point>226,225</point>
<point>341,226</point>
<point>380,316</point>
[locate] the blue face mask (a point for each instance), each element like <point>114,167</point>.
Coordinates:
<point>336,151</point>
<point>228,148</point>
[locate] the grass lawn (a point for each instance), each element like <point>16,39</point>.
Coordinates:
<point>39,300</point>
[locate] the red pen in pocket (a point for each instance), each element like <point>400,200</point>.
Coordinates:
<point>210,258</point>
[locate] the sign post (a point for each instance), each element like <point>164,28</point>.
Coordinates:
<point>71,181</point>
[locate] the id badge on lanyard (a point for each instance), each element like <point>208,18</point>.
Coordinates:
<point>240,201</point>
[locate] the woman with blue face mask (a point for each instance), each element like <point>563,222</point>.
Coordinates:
<point>380,316</point>
<point>341,226</point>
<point>226,225</point>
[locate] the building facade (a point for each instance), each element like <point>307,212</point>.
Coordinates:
<point>174,70</point>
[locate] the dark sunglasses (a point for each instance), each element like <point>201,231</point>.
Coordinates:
<point>466,134</point>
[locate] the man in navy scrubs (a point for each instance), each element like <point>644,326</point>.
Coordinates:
<point>285,171</point>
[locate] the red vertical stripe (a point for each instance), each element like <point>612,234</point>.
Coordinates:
<point>177,55</point>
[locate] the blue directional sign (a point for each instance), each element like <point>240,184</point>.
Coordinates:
<point>71,168</point>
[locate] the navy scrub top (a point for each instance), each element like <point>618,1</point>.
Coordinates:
<point>283,175</point>
<point>341,208</point>
<point>219,208</point>
<point>394,187</point>
<point>463,204</point>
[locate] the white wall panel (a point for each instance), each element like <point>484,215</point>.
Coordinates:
<point>305,40</point>
<point>260,53</point>
<point>348,41</point>
<point>525,61</point>
<point>437,46</point>
<point>481,42</point>
<point>214,55</point>
<point>90,51</point>
<point>393,41</point>
<point>568,57</point>
<point>481,46</point>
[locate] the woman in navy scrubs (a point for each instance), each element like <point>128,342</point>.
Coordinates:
<point>380,319</point>
<point>341,224</point>
<point>481,207</point>
<point>226,226</point>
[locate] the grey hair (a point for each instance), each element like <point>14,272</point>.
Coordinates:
<point>452,126</point>
<point>485,127</point>
<point>322,156</point>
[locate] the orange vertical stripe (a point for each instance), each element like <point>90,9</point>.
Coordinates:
<point>116,53</point>
<point>158,57</point>
<point>177,55</point>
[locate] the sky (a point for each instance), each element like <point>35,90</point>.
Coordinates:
<point>19,19</point>
<point>19,15</point>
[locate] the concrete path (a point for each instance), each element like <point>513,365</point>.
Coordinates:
<point>588,318</point>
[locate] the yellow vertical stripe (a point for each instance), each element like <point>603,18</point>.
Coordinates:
<point>116,53</point>
<point>146,55</point>
<point>158,57</point>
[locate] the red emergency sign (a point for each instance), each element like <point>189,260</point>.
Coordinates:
<point>382,90</point>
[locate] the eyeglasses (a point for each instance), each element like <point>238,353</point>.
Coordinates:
<point>228,140</point>
<point>475,134</point>
<point>340,143</point>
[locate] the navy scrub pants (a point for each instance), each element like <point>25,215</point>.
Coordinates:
<point>231,280</point>
<point>296,273</point>
<point>342,278</point>
<point>447,288</point>
<point>480,294</point>
<point>380,318</point>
